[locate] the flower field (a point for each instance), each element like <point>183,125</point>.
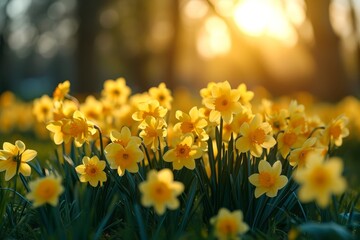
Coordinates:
<point>160,165</point>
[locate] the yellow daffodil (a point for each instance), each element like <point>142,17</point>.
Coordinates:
<point>290,139</point>
<point>320,179</point>
<point>124,158</point>
<point>162,95</point>
<point>278,120</point>
<point>336,130</point>
<point>245,95</point>
<point>124,137</point>
<point>229,225</point>
<point>43,109</point>
<point>269,179</point>
<point>160,190</point>
<point>64,109</point>
<point>255,136</point>
<point>45,190</point>
<point>15,158</point>
<point>184,153</point>
<point>299,156</point>
<point>116,91</point>
<point>191,123</point>
<point>92,109</point>
<point>150,108</point>
<point>78,127</point>
<point>244,115</point>
<point>153,132</point>
<point>92,171</point>
<point>222,101</point>
<point>61,91</point>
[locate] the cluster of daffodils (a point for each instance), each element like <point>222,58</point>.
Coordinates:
<point>126,132</point>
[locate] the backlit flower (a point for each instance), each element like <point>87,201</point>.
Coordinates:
<point>191,123</point>
<point>245,95</point>
<point>45,190</point>
<point>124,137</point>
<point>184,153</point>
<point>269,179</point>
<point>15,156</point>
<point>116,91</point>
<point>150,108</point>
<point>160,191</point>
<point>320,179</point>
<point>222,101</point>
<point>92,171</point>
<point>229,225</point>
<point>78,128</point>
<point>42,109</point>
<point>153,132</point>
<point>299,156</point>
<point>255,136</point>
<point>162,94</point>
<point>61,91</point>
<point>288,140</point>
<point>336,130</point>
<point>124,158</point>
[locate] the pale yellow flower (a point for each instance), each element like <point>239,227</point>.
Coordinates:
<point>229,225</point>
<point>45,190</point>
<point>255,136</point>
<point>92,171</point>
<point>160,191</point>
<point>222,101</point>
<point>320,179</point>
<point>116,91</point>
<point>153,132</point>
<point>191,123</point>
<point>269,179</point>
<point>162,94</point>
<point>150,108</point>
<point>184,153</point>
<point>300,156</point>
<point>124,158</point>
<point>43,109</point>
<point>78,128</point>
<point>288,140</point>
<point>245,115</point>
<point>124,137</point>
<point>336,130</point>
<point>245,95</point>
<point>15,158</point>
<point>92,109</point>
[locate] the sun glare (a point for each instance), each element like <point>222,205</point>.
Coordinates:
<point>268,18</point>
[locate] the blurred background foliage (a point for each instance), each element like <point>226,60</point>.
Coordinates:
<point>282,45</point>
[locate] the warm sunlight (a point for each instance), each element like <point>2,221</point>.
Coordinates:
<point>268,17</point>
<point>213,38</point>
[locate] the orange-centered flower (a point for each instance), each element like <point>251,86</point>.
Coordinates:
<point>222,101</point>
<point>45,190</point>
<point>320,179</point>
<point>229,225</point>
<point>14,158</point>
<point>184,153</point>
<point>269,179</point>
<point>160,191</point>
<point>255,136</point>
<point>124,158</point>
<point>92,171</point>
<point>78,128</point>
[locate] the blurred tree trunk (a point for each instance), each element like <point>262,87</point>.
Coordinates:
<point>330,80</point>
<point>170,69</point>
<point>89,26</point>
